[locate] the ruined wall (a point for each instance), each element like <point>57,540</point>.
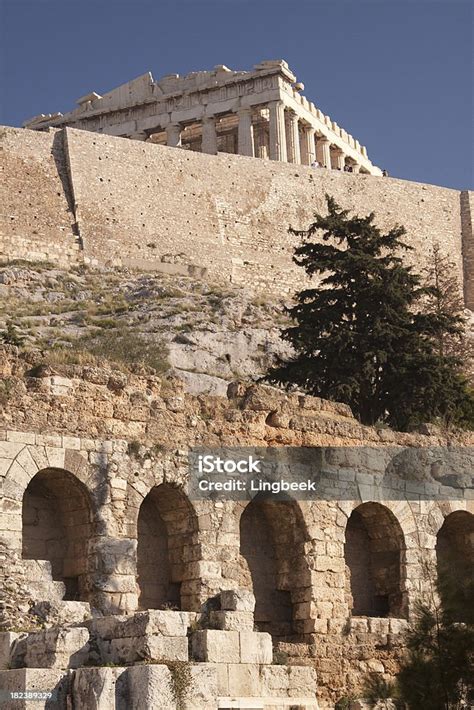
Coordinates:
<point>122,436</point>
<point>161,208</point>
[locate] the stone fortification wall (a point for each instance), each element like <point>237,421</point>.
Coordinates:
<point>467,215</point>
<point>226,216</point>
<point>36,219</point>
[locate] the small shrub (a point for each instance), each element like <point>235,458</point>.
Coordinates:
<point>133,448</point>
<point>376,688</point>
<point>69,356</point>
<point>157,449</point>
<point>127,347</point>
<point>280,658</point>
<point>181,681</point>
<point>169,606</point>
<point>344,703</point>
<point>195,625</point>
<point>106,322</point>
<point>6,390</point>
<point>11,336</point>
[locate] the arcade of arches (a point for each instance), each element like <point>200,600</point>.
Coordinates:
<point>57,520</point>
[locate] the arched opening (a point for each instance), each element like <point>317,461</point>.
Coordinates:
<point>166,535</point>
<point>455,561</point>
<point>57,525</point>
<point>374,553</point>
<point>272,537</point>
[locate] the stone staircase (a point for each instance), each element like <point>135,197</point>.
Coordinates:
<point>155,659</point>
<point>40,581</point>
<point>49,595</point>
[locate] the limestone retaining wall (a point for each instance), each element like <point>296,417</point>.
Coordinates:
<point>228,216</point>
<point>36,217</point>
<point>467,216</point>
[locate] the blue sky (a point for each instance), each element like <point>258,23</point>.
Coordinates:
<point>397,74</point>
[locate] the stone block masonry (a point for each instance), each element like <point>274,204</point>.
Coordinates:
<point>36,210</point>
<point>224,217</point>
<point>325,583</point>
<point>467,212</point>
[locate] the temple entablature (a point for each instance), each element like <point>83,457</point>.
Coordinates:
<point>259,113</point>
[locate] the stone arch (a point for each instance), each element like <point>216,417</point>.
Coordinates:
<point>374,552</point>
<point>455,562</point>
<point>166,532</point>
<point>272,549</point>
<point>57,528</point>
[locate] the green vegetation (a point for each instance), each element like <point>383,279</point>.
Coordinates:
<point>181,679</point>
<point>445,296</point>
<point>280,658</point>
<point>368,334</point>
<point>6,391</point>
<point>126,347</point>
<point>378,691</point>
<point>11,336</point>
<point>345,702</point>
<point>438,673</point>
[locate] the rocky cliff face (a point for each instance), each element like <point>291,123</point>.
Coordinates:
<point>206,335</point>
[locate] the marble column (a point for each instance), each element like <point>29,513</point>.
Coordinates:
<point>277,131</point>
<point>308,146</point>
<point>293,138</point>
<point>323,152</point>
<point>245,133</point>
<point>339,159</point>
<point>355,168</point>
<point>173,135</point>
<point>261,140</point>
<point>209,135</point>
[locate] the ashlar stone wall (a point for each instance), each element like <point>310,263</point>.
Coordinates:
<point>122,440</point>
<point>225,217</point>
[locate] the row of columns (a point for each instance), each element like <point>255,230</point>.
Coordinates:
<point>286,144</point>
<point>209,134</point>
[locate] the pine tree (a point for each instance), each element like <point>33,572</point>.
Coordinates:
<point>445,296</point>
<point>438,670</point>
<point>359,336</point>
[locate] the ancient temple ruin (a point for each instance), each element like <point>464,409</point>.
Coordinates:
<point>259,113</point>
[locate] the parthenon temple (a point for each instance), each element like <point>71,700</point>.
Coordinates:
<point>259,113</point>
